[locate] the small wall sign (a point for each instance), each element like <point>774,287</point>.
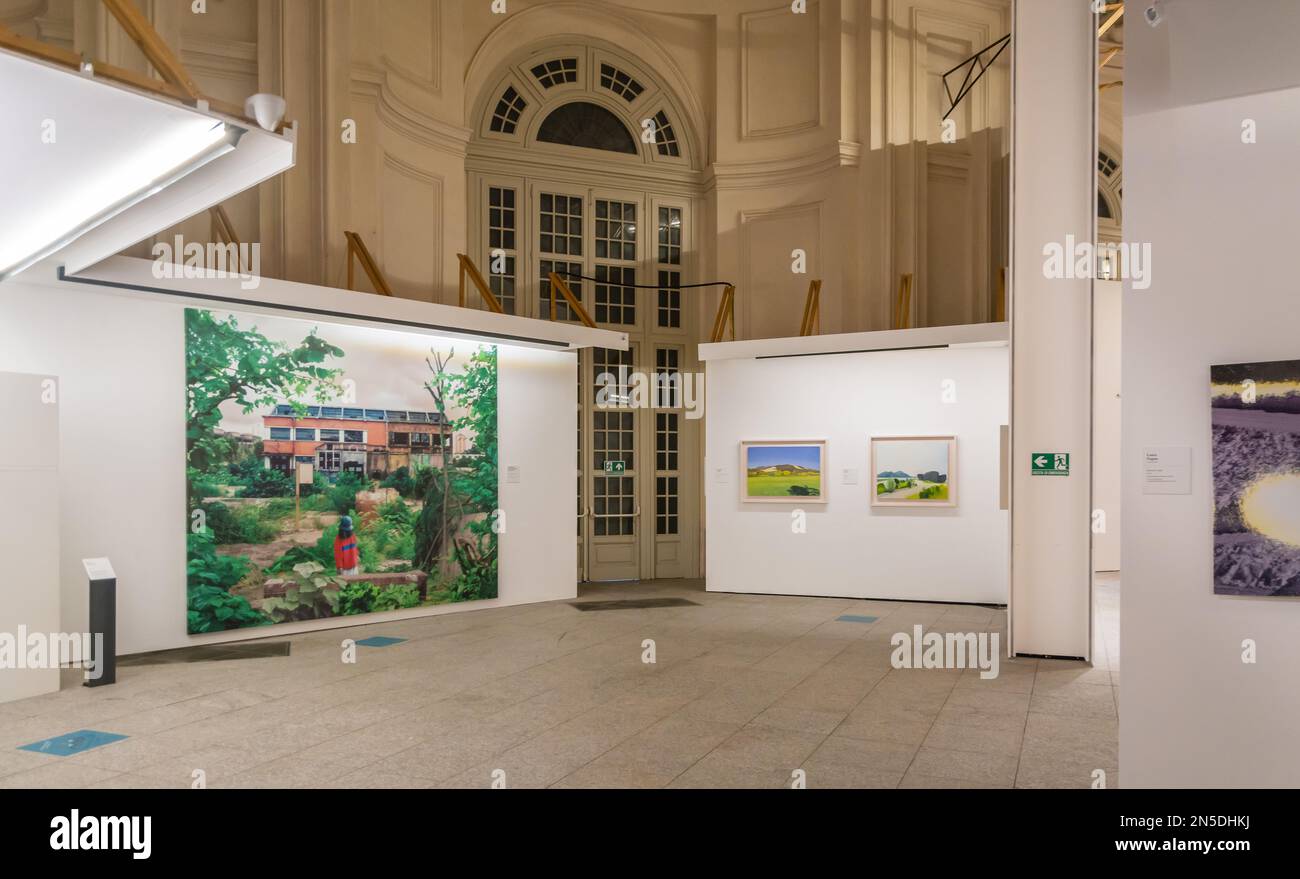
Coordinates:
<point>1049,464</point>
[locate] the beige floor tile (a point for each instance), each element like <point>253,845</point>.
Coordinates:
<point>57,775</point>
<point>768,747</point>
<point>287,772</point>
<point>935,782</point>
<point>715,772</point>
<point>800,719</point>
<point>824,774</point>
<point>967,737</point>
<point>983,768</point>
<point>1076,700</point>
<point>879,756</point>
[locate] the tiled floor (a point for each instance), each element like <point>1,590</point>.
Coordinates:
<point>745,691</point>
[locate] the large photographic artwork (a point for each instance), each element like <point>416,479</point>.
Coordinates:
<point>1255,423</point>
<point>914,471</point>
<point>334,470</point>
<point>780,472</point>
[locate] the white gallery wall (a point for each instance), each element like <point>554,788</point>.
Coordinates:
<point>1221,216</point>
<point>851,548</point>
<point>119,359</point>
<point>29,525</point>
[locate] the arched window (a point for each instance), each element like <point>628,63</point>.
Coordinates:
<point>584,124</point>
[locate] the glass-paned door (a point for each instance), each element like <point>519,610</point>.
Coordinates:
<point>614,464</point>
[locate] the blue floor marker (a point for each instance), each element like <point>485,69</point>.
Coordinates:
<point>855,618</point>
<point>72,743</point>
<point>379,641</point>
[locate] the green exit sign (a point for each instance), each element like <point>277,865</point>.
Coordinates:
<point>615,467</point>
<point>1049,464</point>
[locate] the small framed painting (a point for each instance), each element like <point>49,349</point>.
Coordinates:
<point>782,472</point>
<point>914,471</point>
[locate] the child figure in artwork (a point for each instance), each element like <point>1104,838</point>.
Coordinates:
<point>346,553</point>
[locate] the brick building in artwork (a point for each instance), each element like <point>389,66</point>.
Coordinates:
<point>338,439</point>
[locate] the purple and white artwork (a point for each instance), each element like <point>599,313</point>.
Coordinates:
<point>1255,422</point>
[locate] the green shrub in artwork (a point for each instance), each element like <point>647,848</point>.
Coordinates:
<point>477,560</point>
<point>268,483</point>
<point>245,470</point>
<point>210,609</point>
<point>309,595</point>
<point>343,494</point>
<point>321,552</point>
<point>201,485</point>
<point>356,598</point>
<point>206,568</point>
<point>397,597</point>
<point>880,488</point>
<point>278,508</point>
<point>401,480</point>
<point>242,524</point>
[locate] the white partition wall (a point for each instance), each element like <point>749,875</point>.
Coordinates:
<point>1054,201</point>
<point>29,528</point>
<point>845,395</point>
<point>1193,712</point>
<point>120,358</point>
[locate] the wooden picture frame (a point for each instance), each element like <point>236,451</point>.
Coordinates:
<point>792,475</point>
<point>905,496</point>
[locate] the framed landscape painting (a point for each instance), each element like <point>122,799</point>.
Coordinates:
<point>783,472</point>
<point>1255,429</point>
<point>914,471</point>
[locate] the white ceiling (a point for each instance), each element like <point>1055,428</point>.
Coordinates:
<point>70,140</point>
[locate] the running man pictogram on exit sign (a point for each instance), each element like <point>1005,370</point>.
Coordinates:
<point>1049,464</point>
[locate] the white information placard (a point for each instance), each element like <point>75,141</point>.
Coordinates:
<point>99,569</point>
<point>1167,470</point>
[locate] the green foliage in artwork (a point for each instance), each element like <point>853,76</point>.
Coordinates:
<point>934,493</point>
<point>357,598</point>
<point>209,605</point>
<point>343,494</point>
<point>404,481</point>
<point>243,471</point>
<point>477,560</point>
<point>268,483</point>
<point>226,363</point>
<point>309,595</point>
<point>475,390</point>
<point>206,568</point>
<point>242,524</point>
<point>210,609</point>
<point>397,597</point>
<point>297,555</point>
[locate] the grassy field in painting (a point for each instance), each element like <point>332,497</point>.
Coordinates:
<point>779,485</point>
<point>921,491</point>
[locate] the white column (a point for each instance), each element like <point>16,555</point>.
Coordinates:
<point>1053,196</point>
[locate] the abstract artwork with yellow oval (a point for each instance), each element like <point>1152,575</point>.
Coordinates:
<point>1255,424</point>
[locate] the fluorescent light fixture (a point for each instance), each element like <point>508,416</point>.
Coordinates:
<point>188,146</point>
